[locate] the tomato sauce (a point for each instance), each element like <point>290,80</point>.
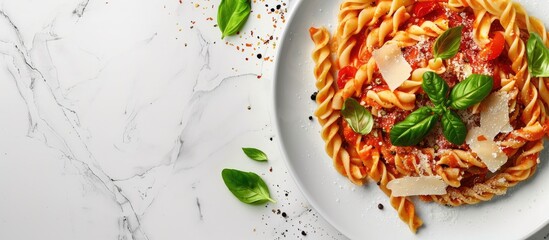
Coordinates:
<point>418,54</point>
<point>348,133</point>
<point>473,176</point>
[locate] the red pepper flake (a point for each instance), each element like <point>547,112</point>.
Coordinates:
<point>259,76</point>
<point>481,138</point>
<point>248,45</point>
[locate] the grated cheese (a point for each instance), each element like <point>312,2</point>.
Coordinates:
<point>392,65</point>
<point>414,186</point>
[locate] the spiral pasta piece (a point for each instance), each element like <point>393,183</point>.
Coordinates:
<point>328,117</point>
<point>378,172</point>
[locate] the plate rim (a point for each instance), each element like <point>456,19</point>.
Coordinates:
<point>282,149</point>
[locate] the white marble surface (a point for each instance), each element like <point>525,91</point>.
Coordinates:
<point>117,117</point>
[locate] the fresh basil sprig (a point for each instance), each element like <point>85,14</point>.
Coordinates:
<point>417,125</point>
<point>414,128</point>
<point>248,187</point>
<point>453,128</point>
<point>538,56</point>
<point>232,15</point>
<point>357,116</point>
<point>447,44</point>
<point>255,154</point>
<point>435,87</point>
<point>470,91</point>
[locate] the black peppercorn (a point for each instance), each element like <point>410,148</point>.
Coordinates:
<point>313,96</point>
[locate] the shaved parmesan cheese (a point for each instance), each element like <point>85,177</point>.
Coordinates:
<point>486,149</point>
<point>494,117</point>
<point>392,65</point>
<point>413,186</point>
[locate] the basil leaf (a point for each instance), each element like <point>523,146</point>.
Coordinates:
<point>255,154</point>
<point>248,187</point>
<point>538,56</point>
<point>357,116</point>
<point>232,15</point>
<point>453,128</point>
<point>435,87</point>
<point>447,44</point>
<point>414,128</point>
<point>470,91</point>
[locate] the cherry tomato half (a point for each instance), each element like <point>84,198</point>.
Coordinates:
<point>423,8</point>
<point>344,75</point>
<point>494,48</point>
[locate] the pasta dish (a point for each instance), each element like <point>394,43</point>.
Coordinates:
<point>440,100</point>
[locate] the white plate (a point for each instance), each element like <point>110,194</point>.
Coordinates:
<point>353,209</point>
